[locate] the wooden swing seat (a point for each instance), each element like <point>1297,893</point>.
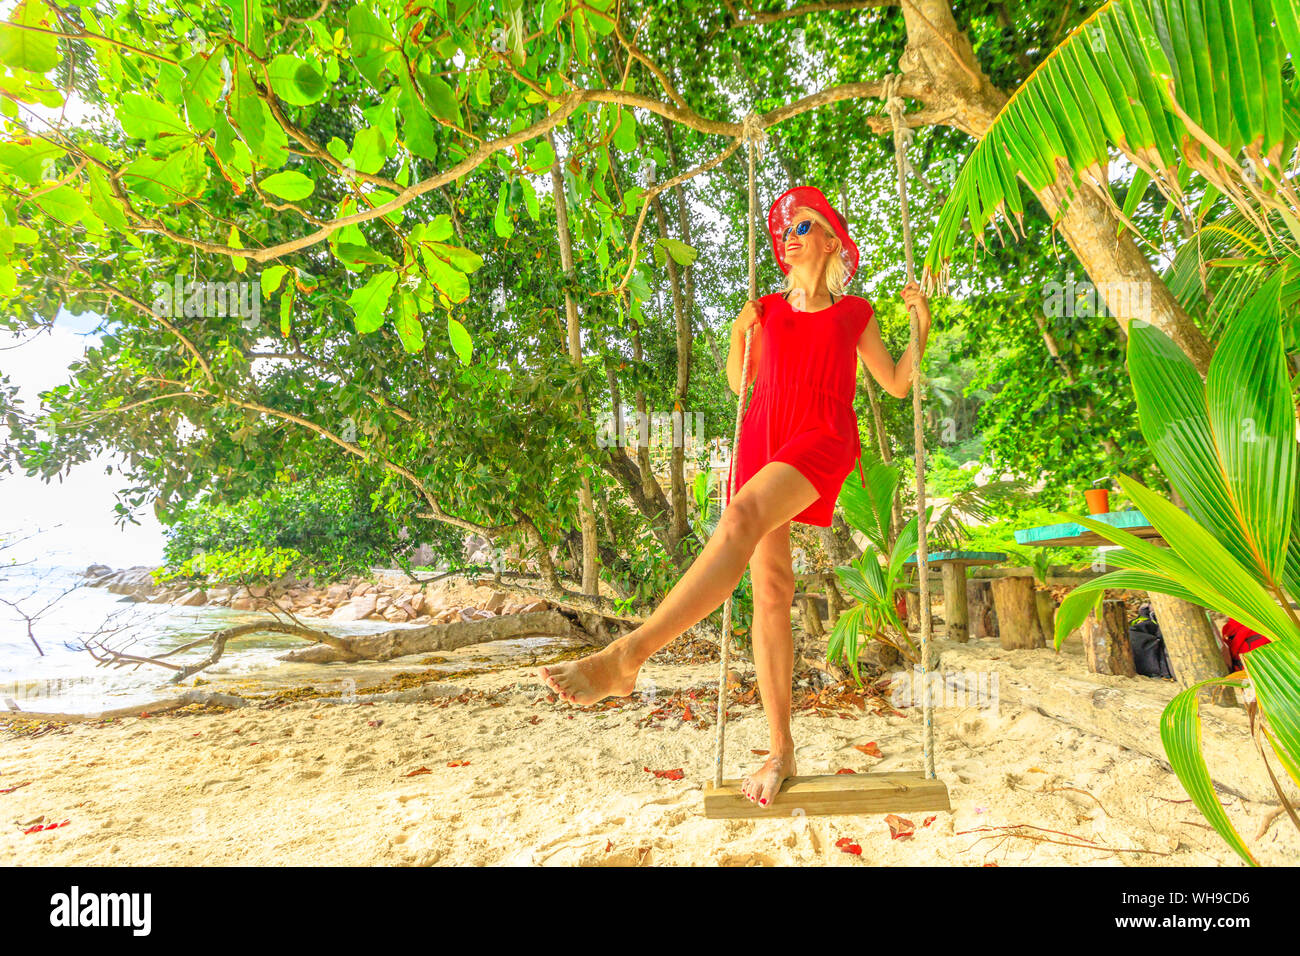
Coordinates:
<point>889,792</point>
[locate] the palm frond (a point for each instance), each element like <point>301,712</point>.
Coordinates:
<point>1175,85</point>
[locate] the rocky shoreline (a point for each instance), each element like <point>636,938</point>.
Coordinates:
<point>393,598</point>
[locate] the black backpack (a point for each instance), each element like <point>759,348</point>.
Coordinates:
<point>1149,655</point>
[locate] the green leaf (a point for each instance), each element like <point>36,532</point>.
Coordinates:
<point>1228,444</point>
<point>372,42</point>
<point>419,132</point>
<point>201,87</point>
<point>449,280</point>
<point>370,302</point>
<point>683,254</point>
<point>439,97</point>
<point>145,118</point>
<point>289,184</point>
<point>542,157</point>
<point>245,108</point>
<point>24,49</point>
<point>286,310</point>
<point>625,135</point>
<point>460,340</point>
<point>1254,427</point>
<point>239,262</point>
<point>272,278</point>
<point>501,222</point>
<point>530,200</point>
<point>296,81</point>
<point>409,329</point>
<point>369,150</point>
<point>62,203</point>
<point>32,162</point>
<point>1275,676</point>
<point>1180,732</point>
<point>551,13</point>
<point>460,258</point>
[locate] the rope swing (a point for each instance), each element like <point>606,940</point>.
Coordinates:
<point>840,793</point>
<point>902,139</point>
<point>753,135</point>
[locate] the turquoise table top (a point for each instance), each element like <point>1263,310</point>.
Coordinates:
<point>966,557</point>
<point>1068,534</point>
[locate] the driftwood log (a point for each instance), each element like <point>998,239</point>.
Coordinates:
<point>399,642</point>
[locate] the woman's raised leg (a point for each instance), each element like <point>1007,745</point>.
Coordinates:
<point>771,569</point>
<point>767,501</point>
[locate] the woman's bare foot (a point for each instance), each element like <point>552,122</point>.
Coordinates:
<point>762,785</point>
<point>610,672</point>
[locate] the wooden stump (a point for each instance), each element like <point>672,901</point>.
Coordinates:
<point>1192,645</point>
<point>1018,626</point>
<point>913,608</point>
<point>812,617</point>
<point>979,609</point>
<point>1106,642</point>
<point>955,612</point>
<point>1045,607</point>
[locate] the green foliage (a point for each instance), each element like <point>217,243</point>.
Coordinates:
<point>324,528</point>
<point>1229,446</point>
<point>242,566</point>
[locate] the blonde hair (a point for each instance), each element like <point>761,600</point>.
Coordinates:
<point>836,272</point>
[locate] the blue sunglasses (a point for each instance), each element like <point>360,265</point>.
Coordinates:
<point>800,229</point>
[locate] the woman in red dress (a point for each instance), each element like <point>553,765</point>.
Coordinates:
<point>799,442</point>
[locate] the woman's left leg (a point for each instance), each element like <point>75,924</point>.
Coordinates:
<point>772,573</point>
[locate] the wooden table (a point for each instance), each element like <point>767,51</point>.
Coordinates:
<point>1195,652</point>
<point>1069,534</point>
<point>953,565</point>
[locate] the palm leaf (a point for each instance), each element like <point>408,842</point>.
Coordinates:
<point>1227,444</point>
<point>1180,732</point>
<point>1175,85</point>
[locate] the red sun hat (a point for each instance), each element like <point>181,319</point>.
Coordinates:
<point>782,212</point>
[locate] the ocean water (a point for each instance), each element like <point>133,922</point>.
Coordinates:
<point>63,675</point>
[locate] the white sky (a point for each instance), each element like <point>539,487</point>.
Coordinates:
<point>75,516</point>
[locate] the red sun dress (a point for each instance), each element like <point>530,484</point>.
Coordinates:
<point>802,408</point>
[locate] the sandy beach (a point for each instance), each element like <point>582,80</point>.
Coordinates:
<point>500,774</point>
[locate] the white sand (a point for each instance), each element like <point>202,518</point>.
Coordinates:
<point>312,783</point>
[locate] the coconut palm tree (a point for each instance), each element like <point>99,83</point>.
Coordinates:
<point>1202,97</point>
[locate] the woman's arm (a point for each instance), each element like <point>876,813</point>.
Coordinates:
<point>748,318</point>
<point>895,377</point>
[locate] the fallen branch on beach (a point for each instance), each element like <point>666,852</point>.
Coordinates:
<point>328,648</point>
<point>401,641</point>
<point>1003,833</point>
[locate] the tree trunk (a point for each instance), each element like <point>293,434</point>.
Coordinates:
<point>677,465</point>
<point>1194,649</point>
<point>586,508</point>
<point>939,59</point>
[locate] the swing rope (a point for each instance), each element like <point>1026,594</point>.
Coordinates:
<point>753,134</point>
<point>902,139</point>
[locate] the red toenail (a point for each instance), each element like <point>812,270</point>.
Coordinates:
<point>763,802</point>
